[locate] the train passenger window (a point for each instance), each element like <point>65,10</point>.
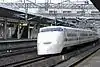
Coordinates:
<point>71,34</point>
<point>51,29</point>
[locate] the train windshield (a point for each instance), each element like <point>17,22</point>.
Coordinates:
<point>51,29</point>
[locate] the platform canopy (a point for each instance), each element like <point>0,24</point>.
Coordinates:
<point>8,13</point>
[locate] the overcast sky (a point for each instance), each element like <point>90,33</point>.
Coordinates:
<point>40,1</point>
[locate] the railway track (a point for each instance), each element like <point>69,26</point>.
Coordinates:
<point>27,61</point>
<point>66,59</point>
<point>7,58</point>
<point>69,58</point>
<point>77,59</point>
<point>16,51</point>
<point>83,54</point>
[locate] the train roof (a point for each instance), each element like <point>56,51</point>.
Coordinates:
<point>65,27</point>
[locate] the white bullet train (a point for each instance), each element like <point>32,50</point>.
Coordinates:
<point>52,39</point>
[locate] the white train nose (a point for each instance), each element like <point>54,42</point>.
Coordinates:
<point>49,43</point>
<point>49,49</point>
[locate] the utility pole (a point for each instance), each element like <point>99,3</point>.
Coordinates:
<point>50,1</point>
<point>26,10</point>
<point>46,5</point>
<point>55,17</point>
<point>26,18</point>
<point>35,1</point>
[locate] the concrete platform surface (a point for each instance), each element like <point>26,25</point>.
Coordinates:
<point>92,61</point>
<point>16,40</point>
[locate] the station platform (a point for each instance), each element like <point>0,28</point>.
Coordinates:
<point>16,40</point>
<point>92,61</point>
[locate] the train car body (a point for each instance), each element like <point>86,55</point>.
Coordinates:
<point>52,39</point>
